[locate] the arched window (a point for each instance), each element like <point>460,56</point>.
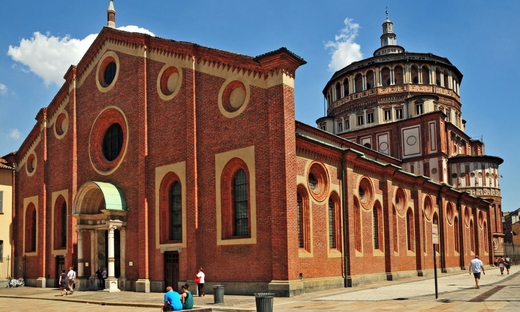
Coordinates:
<point>377,226</point>
<point>456,236</point>
<point>303,219</point>
<point>472,235</point>
<point>415,74</point>
<point>357,225</point>
<point>240,204</point>
<point>60,223</point>
<point>334,222</point>
<point>425,75</point>
<point>398,75</point>
<point>345,88</point>
<point>175,212</point>
<point>385,77</point>
<point>30,228</point>
<point>410,230</point>
<point>170,209</point>
<point>370,79</point>
<point>338,91</point>
<point>486,242</point>
<point>358,83</point>
<point>396,234</point>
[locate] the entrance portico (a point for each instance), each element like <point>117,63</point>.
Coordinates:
<point>100,209</point>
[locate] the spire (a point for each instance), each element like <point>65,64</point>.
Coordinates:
<point>388,39</point>
<point>111,15</point>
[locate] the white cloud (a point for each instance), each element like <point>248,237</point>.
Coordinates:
<point>343,49</point>
<point>3,89</point>
<point>49,57</point>
<point>14,134</point>
<point>137,29</point>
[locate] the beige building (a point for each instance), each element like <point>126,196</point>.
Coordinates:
<point>6,217</point>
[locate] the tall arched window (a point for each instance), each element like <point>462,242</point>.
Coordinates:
<point>334,222</point>
<point>345,87</point>
<point>60,223</point>
<point>357,225</point>
<point>30,228</point>
<point>240,204</point>
<point>236,205</point>
<point>396,234</point>
<point>472,235</point>
<point>304,241</point>
<point>170,206</point>
<point>456,236</point>
<point>377,226</point>
<point>410,230</point>
<point>175,212</point>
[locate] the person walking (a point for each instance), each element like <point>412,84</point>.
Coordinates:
<point>200,279</point>
<point>501,264</point>
<point>476,266</point>
<point>63,282</point>
<point>508,262</point>
<point>71,278</point>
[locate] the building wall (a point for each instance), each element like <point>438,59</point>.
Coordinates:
<point>6,227</point>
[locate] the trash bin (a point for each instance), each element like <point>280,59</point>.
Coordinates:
<point>218,291</point>
<point>264,302</point>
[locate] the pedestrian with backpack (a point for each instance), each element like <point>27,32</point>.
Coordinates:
<point>508,263</point>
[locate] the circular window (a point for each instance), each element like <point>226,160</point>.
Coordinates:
<point>454,175</point>
<point>107,71</point>
<point>169,82</point>
<point>434,171</point>
<point>366,193</point>
<point>61,125</point>
<point>31,164</point>
<point>400,201</point>
<point>108,140</point>
<point>318,181</point>
<point>110,73</point>
<point>233,98</point>
<point>113,142</point>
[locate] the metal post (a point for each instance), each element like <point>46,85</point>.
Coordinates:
<point>435,270</point>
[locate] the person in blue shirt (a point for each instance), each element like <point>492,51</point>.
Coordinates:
<point>172,300</point>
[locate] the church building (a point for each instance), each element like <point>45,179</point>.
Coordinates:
<point>158,157</point>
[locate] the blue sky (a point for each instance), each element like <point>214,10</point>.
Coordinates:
<point>40,39</point>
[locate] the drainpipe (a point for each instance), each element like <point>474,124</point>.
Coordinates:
<point>441,232</point>
<point>461,240</point>
<point>346,252</point>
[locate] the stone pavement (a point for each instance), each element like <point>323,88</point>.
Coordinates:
<point>455,293</point>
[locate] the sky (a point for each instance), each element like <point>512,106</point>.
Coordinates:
<point>39,40</point>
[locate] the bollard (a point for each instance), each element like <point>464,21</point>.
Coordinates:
<point>264,302</point>
<point>218,291</point>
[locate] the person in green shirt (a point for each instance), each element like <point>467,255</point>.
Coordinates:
<point>186,297</point>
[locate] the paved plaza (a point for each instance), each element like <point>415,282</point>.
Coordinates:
<point>455,293</point>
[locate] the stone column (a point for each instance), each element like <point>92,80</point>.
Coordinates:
<point>80,253</point>
<point>111,279</point>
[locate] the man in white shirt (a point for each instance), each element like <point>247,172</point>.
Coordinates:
<point>476,266</point>
<point>71,277</point>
